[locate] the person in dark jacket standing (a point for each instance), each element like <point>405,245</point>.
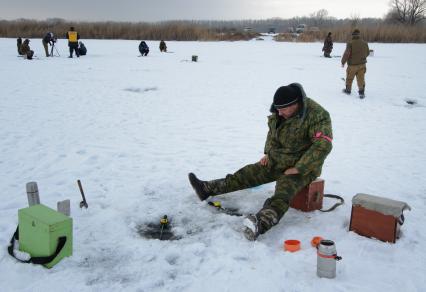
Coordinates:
<point>19,44</point>
<point>298,141</point>
<point>355,55</point>
<point>48,40</point>
<point>143,48</point>
<point>328,46</point>
<point>73,38</point>
<point>163,47</point>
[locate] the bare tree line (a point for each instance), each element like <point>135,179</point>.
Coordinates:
<point>107,30</point>
<point>409,12</point>
<point>373,29</point>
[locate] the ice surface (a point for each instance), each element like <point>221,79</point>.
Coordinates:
<point>132,128</point>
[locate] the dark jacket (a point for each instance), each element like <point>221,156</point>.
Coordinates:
<point>328,44</point>
<point>356,52</point>
<point>163,47</point>
<point>82,50</point>
<point>302,141</point>
<point>143,47</point>
<point>19,44</point>
<point>48,38</point>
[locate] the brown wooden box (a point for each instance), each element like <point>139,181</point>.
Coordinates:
<point>377,217</point>
<point>374,224</point>
<point>310,197</point>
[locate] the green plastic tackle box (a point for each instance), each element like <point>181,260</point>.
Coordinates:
<point>39,230</point>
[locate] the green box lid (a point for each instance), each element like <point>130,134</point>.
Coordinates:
<point>44,214</point>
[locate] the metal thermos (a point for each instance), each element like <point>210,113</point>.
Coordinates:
<point>64,207</point>
<point>32,193</point>
<point>326,259</point>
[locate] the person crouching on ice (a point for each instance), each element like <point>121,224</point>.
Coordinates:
<point>82,50</point>
<point>143,48</point>
<point>26,51</point>
<point>298,141</point>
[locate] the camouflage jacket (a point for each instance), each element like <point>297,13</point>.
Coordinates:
<point>302,141</point>
<point>25,48</point>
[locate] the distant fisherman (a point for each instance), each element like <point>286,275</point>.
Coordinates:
<point>48,40</point>
<point>82,50</point>
<point>328,46</point>
<point>356,54</point>
<point>143,48</point>
<point>73,38</point>
<point>19,44</point>
<point>26,52</point>
<point>163,47</point>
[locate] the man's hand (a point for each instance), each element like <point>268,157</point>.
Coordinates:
<point>264,160</point>
<point>291,171</point>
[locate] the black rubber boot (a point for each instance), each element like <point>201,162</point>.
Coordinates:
<point>361,93</point>
<point>347,90</point>
<point>200,187</point>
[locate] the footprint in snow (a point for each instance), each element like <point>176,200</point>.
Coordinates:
<point>140,90</point>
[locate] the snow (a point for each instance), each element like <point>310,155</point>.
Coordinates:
<point>132,128</point>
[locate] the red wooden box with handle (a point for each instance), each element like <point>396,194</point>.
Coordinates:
<point>377,217</point>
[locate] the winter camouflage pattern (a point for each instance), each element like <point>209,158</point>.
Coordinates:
<point>302,141</point>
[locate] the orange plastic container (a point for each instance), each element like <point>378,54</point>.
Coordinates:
<point>292,245</point>
<point>316,241</point>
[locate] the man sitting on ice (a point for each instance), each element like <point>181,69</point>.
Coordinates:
<point>298,141</point>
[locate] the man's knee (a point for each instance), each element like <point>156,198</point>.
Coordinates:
<point>286,189</point>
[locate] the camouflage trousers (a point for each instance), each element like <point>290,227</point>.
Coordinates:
<point>357,71</point>
<point>252,175</point>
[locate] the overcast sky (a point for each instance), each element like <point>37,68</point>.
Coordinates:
<point>158,10</point>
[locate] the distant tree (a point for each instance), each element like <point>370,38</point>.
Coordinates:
<point>319,17</point>
<point>355,20</point>
<point>408,12</point>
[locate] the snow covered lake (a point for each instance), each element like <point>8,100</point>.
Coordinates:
<point>131,128</point>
